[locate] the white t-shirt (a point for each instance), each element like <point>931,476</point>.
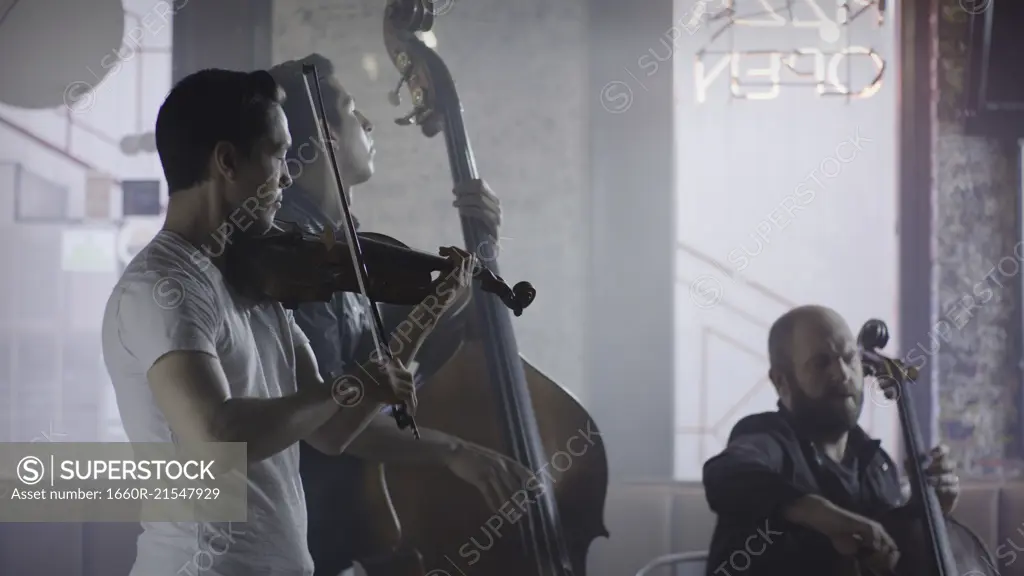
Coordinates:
<point>171,298</point>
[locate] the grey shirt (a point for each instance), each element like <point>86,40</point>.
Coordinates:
<point>167,300</point>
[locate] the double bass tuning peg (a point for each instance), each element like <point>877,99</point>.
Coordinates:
<point>395,96</point>
<point>410,119</point>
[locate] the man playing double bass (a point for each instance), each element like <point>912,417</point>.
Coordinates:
<point>795,489</point>
<point>340,329</point>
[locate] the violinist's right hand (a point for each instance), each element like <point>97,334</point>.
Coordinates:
<point>383,382</point>
<point>851,534</point>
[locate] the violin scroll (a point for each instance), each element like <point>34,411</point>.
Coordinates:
<point>516,298</point>
<point>523,294</point>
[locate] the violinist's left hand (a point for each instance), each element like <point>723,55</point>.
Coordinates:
<point>475,198</point>
<point>941,473</point>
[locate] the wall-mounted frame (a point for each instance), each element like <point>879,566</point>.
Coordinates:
<point>38,200</point>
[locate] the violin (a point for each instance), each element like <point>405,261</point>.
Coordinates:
<point>288,266</point>
<point>930,543</point>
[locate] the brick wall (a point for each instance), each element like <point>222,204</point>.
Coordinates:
<point>975,235</point>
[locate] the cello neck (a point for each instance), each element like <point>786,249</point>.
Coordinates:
<point>936,534</point>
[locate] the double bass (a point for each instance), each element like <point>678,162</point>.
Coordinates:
<point>422,520</point>
<point>930,543</point>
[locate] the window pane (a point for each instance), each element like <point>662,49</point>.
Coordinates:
<point>83,384</point>
<point>38,199</point>
<point>6,396</point>
<point>36,276</point>
<point>771,189</point>
<point>37,398</point>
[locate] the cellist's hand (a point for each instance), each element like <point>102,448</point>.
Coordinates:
<point>941,474</point>
<point>852,535</point>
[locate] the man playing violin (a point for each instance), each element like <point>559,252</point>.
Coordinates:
<point>191,360</point>
<point>339,328</point>
<point>795,489</point>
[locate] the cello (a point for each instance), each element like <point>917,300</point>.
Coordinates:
<point>421,520</point>
<point>930,543</point>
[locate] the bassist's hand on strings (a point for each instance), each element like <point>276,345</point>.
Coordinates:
<point>474,198</point>
<point>496,477</point>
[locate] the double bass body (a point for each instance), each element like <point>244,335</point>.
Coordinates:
<point>448,523</point>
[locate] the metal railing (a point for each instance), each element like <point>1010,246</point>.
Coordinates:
<point>695,559</point>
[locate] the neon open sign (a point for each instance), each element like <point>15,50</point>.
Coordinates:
<point>761,74</point>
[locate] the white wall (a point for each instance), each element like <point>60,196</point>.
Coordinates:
<point>51,370</point>
<point>785,198</point>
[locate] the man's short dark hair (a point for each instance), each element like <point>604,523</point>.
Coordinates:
<point>208,107</point>
<point>301,121</point>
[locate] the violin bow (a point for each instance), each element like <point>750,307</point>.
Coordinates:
<point>401,415</point>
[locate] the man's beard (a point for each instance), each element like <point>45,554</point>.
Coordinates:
<point>825,417</point>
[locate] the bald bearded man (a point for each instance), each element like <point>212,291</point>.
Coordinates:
<point>794,489</point>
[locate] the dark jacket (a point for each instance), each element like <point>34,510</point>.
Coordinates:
<point>767,465</point>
